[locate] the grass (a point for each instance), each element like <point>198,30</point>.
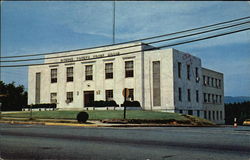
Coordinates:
<point>97,115</point>
<point>112,115</point>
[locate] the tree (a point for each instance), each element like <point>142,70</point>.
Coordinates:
<point>13,97</point>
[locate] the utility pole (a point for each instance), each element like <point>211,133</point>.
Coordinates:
<point>114,22</point>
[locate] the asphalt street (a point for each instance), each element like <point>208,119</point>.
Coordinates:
<point>154,143</point>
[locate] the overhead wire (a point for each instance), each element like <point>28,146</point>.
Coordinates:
<point>163,46</point>
<point>143,39</point>
<point>153,42</point>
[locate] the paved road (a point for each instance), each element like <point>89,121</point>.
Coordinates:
<point>169,143</point>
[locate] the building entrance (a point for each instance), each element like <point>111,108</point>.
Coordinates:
<point>88,98</point>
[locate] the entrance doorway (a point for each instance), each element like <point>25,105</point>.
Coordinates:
<point>88,98</point>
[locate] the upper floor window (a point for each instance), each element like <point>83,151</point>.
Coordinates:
<point>197,74</point>
<point>204,80</point>
<point>89,72</point>
<point>188,71</point>
<point>109,70</point>
<point>208,81</point>
<point>129,69</point>
<point>70,74</point>
<point>205,97</point>
<point>53,97</point>
<point>188,95</point>
<point>53,75</point>
<point>69,97</point>
<point>197,95</point>
<point>109,95</point>
<point>179,69</point>
<point>180,96</point>
<point>212,82</point>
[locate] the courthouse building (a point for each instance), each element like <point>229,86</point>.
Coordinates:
<point>167,80</point>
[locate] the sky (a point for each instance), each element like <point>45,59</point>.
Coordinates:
<point>32,27</point>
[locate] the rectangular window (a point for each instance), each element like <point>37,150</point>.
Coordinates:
<point>38,87</point>
<point>216,83</point>
<point>190,112</point>
<point>53,97</point>
<point>131,94</point>
<point>188,71</point>
<point>53,75</point>
<point>213,101</point>
<point>216,99</point>
<point>209,100</point>
<point>217,115</point>
<point>221,115</point>
<point>180,96</point>
<point>212,82</point>
<point>220,99</point>
<point>109,70</point>
<point>197,95</point>
<point>205,114</point>
<point>129,69</point>
<point>209,115</point>
<point>197,74</point>
<point>213,115</point>
<point>188,95</point>
<point>89,72</point>
<point>179,69</point>
<point>109,95</point>
<point>70,74</point>
<point>208,81</point>
<point>69,97</point>
<point>205,97</point>
<point>198,113</point>
<point>219,83</point>
<point>204,81</point>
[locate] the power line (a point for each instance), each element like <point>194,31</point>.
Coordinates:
<point>164,46</point>
<point>174,38</point>
<point>143,39</point>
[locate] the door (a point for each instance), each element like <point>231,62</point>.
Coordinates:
<point>88,98</point>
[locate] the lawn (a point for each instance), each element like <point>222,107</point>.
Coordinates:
<point>98,115</point>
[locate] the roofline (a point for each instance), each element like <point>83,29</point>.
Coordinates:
<point>212,70</point>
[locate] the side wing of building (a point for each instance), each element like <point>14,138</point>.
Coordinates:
<point>213,95</point>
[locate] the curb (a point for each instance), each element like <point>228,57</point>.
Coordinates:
<point>98,125</point>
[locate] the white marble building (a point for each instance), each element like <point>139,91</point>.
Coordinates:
<point>167,80</point>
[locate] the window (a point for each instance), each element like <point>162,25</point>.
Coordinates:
<point>220,99</point>
<point>179,69</point>
<point>53,98</point>
<point>208,81</point>
<point>180,111</point>
<point>88,72</point>
<point>221,115</point>
<point>212,82</point>
<point>189,95</point>
<point>109,70</point>
<point>197,74</point>
<point>190,112</point>
<point>209,115</point>
<point>213,115</point>
<point>131,94</point>
<point>209,98</point>
<point>216,83</point>
<point>180,96</point>
<point>69,97</point>
<point>198,113</point>
<point>188,71</point>
<point>213,101</point>
<point>217,115</point>
<point>204,80</point>
<point>205,97</point>
<point>70,74</point>
<point>129,69</point>
<point>197,96</point>
<point>205,114</point>
<point>219,83</point>
<point>109,95</point>
<point>53,75</point>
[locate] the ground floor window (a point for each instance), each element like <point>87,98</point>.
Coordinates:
<point>109,95</point>
<point>190,112</point>
<point>198,113</point>
<point>205,114</point>
<point>53,98</point>
<point>69,97</point>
